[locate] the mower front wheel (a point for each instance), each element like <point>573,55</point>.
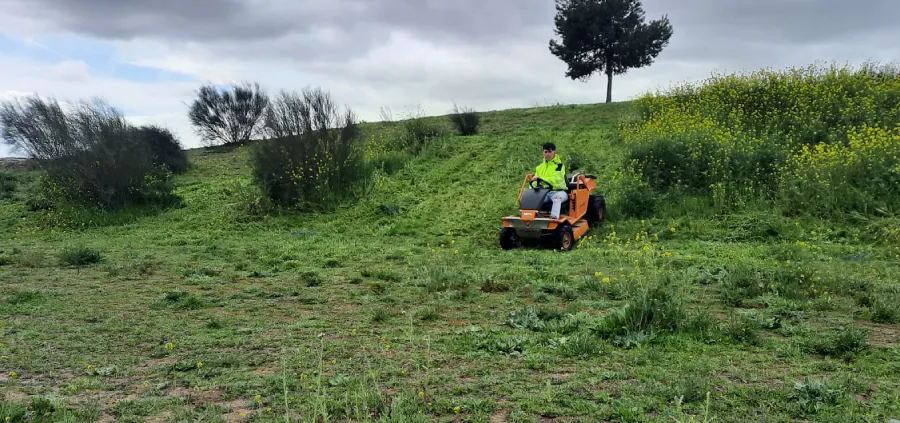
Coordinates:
<point>563,238</point>
<point>509,239</point>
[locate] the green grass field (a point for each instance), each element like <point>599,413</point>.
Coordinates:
<point>402,307</point>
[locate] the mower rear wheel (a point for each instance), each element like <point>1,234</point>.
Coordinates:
<point>563,238</point>
<point>509,239</point>
<point>596,211</point>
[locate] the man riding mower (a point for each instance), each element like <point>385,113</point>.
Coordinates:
<point>556,209</point>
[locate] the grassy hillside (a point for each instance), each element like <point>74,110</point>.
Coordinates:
<point>402,307</point>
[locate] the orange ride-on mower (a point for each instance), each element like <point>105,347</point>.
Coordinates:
<point>534,223</point>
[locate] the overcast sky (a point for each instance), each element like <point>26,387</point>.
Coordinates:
<point>487,54</point>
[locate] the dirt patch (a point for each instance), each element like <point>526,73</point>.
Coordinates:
<point>500,415</point>
<point>466,379</point>
<point>545,419</point>
<point>265,370</point>
<point>206,396</point>
<point>107,399</point>
<point>121,381</point>
<point>559,377</point>
<point>153,363</point>
<point>105,417</point>
<point>882,335</point>
<point>611,389</point>
<point>768,376</point>
<point>594,312</point>
<point>238,413</point>
<point>16,396</point>
<point>38,378</point>
<point>196,397</point>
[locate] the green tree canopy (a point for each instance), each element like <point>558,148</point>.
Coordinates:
<point>608,36</point>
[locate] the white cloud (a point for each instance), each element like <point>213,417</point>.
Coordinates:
<point>71,71</point>
<point>69,81</point>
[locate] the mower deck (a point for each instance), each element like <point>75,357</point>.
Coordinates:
<point>534,228</point>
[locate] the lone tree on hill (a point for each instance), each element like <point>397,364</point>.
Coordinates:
<point>609,36</point>
<point>231,115</point>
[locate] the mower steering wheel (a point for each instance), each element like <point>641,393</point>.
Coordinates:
<point>540,181</point>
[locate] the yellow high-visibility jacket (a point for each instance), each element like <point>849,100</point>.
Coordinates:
<point>554,172</point>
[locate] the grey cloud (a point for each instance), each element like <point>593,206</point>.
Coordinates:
<point>468,20</point>
<point>789,21</point>
<point>315,43</point>
<point>213,20</point>
<point>167,19</point>
<point>744,32</point>
<point>293,28</point>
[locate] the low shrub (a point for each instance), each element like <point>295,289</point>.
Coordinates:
<point>390,162</point>
<point>90,155</point>
<point>165,148</point>
<point>417,132</point>
<point>654,310</point>
<point>634,196</point>
<point>400,140</point>
<point>884,308</point>
<point>314,159</point>
<point>465,120</point>
<point>9,184</point>
<point>812,396</point>
<point>743,329</point>
<point>845,343</point>
<point>745,283</point>
<point>79,256</point>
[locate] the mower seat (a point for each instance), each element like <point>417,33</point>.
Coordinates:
<point>572,181</point>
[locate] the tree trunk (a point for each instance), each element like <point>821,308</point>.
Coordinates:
<point>609,76</point>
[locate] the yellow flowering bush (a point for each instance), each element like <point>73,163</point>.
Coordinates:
<point>862,175</point>
<point>794,134</point>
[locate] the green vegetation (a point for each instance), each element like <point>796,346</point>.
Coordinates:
<point>165,148</point>
<point>400,306</point>
<point>817,140</point>
<point>11,185</point>
<point>91,157</point>
<point>314,159</point>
